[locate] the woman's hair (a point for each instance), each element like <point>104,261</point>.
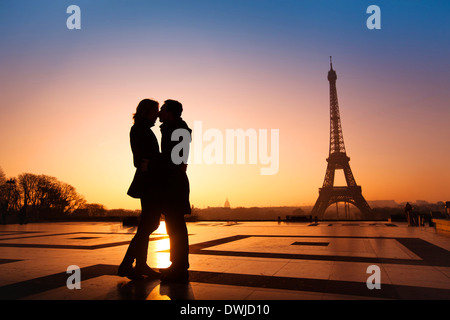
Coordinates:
<point>144,108</point>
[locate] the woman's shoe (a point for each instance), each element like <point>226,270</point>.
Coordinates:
<point>145,270</point>
<point>129,272</point>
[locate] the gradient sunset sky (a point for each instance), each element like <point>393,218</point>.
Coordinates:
<point>67,96</point>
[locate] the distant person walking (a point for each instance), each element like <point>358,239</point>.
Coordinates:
<point>408,209</point>
<point>145,186</point>
<point>176,184</point>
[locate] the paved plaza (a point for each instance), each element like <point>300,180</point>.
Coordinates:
<point>230,261</point>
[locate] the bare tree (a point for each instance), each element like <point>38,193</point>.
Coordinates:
<point>92,209</point>
<point>12,195</point>
<point>2,177</point>
<point>3,197</point>
<point>28,184</point>
<point>48,196</point>
<point>70,197</point>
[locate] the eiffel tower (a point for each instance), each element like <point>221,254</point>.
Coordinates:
<point>338,159</point>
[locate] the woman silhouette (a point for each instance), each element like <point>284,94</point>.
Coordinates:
<point>146,159</point>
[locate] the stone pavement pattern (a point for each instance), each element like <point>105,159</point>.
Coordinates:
<point>242,261</point>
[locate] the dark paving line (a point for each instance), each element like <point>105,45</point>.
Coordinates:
<point>34,286</point>
<point>2,261</point>
<point>80,247</point>
<point>67,233</point>
<point>26,288</point>
<point>430,254</point>
<point>370,260</point>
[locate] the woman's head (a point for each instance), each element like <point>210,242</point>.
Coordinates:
<point>146,110</point>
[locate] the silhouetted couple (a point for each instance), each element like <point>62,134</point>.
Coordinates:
<point>163,188</point>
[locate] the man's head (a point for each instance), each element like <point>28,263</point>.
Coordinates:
<point>170,110</point>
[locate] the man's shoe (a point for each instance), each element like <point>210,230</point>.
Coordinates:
<point>165,270</point>
<point>129,272</point>
<point>172,276</point>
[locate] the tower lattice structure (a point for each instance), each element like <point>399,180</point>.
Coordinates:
<point>338,159</point>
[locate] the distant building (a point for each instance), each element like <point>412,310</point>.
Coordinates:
<point>227,204</point>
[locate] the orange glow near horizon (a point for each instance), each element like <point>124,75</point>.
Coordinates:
<point>90,150</point>
<point>86,142</point>
<point>66,112</point>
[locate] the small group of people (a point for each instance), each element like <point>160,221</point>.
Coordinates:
<point>162,186</point>
<point>416,219</point>
<point>411,216</point>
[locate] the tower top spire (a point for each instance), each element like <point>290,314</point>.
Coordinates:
<point>332,76</point>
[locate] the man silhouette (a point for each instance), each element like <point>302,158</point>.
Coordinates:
<point>176,186</point>
<point>147,160</point>
<point>408,209</point>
